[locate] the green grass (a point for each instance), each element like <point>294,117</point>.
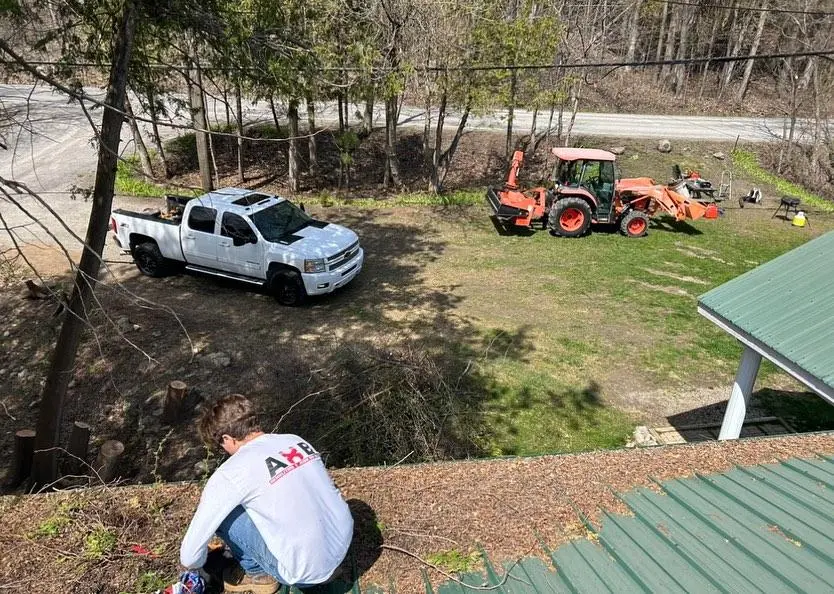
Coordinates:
<point>749,164</point>
<point>574,328</point>
<point>457,198</point>
<point>455,561</point>
<point>99,542</point>
<point>131,182</point>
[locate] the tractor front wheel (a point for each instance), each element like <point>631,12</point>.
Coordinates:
<point>635,224</point>
<point>570,217</point>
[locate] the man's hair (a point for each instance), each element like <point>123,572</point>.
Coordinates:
<point>232,415</point>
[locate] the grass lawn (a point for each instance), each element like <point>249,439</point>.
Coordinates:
<point>576,330</point>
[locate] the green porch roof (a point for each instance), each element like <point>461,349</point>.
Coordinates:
<point>756,529</point>
<point>784,309</point>
<point>764,528</point>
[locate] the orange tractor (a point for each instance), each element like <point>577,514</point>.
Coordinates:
<point>587,189</point>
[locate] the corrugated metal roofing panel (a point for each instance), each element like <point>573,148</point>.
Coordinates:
<point>766,528</point>
<point>787,304</point>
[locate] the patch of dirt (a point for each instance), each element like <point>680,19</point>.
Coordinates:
<point>662,288</point>
<point>685,279</point>
<point>499,504</point>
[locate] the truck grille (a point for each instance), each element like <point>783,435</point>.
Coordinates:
<point>343,257</point>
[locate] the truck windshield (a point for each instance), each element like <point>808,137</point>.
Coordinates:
<point>280,220</point>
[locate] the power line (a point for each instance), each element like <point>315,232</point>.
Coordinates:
<point>824,53</point>
<point>752,8</point>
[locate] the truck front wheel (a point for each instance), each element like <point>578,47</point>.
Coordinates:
<point>287,288</point>
<point>149,260</point>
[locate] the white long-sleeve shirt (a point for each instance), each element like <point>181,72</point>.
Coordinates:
<point>282,483</point>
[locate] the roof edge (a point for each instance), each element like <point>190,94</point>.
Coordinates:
<point>744,337</point>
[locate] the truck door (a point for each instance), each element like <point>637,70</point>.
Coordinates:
<point>199,240</point>
<point>239,249</point>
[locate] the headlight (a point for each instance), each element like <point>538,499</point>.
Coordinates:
<point>316,265</point>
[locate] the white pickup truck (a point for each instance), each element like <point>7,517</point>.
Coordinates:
<point>243,235</point>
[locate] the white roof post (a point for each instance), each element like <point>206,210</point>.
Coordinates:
<point>748,368</point>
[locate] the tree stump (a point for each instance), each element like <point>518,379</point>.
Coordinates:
<point>24,449</point>
<point>173,402</point>
<point>79,444</point>
<point>108,460</point>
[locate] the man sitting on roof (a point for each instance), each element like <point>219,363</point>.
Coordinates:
<point>272,502</point>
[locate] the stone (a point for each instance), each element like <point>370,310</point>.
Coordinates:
<point>617,150</point>
<point>642,437</point>
<point>664,146</point>
<point>124,324</point>
<point>218,360</point>
<point>202,468</point>
<point>719,155</point>
<point>35,403</point>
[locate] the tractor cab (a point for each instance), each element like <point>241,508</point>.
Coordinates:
<point>587,173</point>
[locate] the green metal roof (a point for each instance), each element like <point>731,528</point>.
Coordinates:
<point>755,529</point>
<point>784,309</point>
<point>767,528</point>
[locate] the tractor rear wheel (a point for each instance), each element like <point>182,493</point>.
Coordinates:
<point>634,224</point>
<point>570,217</point>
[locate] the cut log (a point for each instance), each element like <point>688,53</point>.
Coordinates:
<point>24,449</point>
<point>173,402</point>
<point>107,462</point>
<point>79,444</point>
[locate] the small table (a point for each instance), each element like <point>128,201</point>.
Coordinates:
<point>789,204</point>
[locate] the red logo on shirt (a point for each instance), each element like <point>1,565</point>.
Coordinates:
<point>294,459</point>
<point>292,455</point>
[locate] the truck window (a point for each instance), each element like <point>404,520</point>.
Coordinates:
<point>202,219</point>
<point>234,225</point>
<point>280,220</point>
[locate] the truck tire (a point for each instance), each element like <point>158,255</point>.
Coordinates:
<point>287,288</point>
<point>570,217</point>
<point>149,260</point>
<point>635,223</point>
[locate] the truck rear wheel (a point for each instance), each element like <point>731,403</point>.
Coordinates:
<point>149,260</point>
<point>570,217</point>
<point>287,287</point>
<point>634,224</point>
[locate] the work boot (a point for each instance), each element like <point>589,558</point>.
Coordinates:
<point>237,580</point>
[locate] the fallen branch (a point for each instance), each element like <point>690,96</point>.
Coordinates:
<point>453,578</point>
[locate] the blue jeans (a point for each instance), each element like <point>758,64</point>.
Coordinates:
<point>247,545</point>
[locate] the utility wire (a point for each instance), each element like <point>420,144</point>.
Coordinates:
<point>752,8</point>
<point>824,53</point>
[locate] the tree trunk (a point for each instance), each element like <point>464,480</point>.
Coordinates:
<point>339,101</point>
<point>449,153</point>
<point>748,68</point>
<point>680,69</point>
<point>660,38</point>
<point>157,139</point>
<point>575,92</point>
<point>198,118</point>
<point>241,172</point>
<point>313,166</point>
<point>510,115</point>
<point>292,156</point>
<point>138,142</point>
<point>634,24</point>
<point>392,164</point>
<point>705,67</point>
<point>530,148</point>
<point>274,116</point>
<point>434,184</point>
<point>729,67</point>
<point>368,114</point>
<point>428,151</point>
<point>669,51</point>
<point>62,366</point>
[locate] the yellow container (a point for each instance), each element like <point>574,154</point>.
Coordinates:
<point>799,219</point>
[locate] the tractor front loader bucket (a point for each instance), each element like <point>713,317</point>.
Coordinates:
<point>503,211</point>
